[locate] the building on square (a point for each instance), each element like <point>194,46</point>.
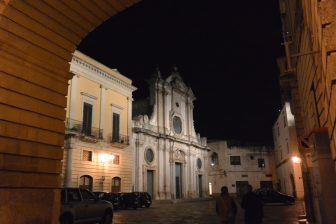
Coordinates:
<point>171,158</point>
<point>287,156</point>
<point>235,165</point>
<point>97,152</point>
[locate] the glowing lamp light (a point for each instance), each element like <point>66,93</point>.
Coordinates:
<point>210,189</point>
<point>296,159</point>
<point>104,158</point>
<point>212,164</point>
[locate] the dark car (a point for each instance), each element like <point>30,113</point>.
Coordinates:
<point>114,198</point>
<point>269,195</point>
<point>144,199</point>
<point>81,206</point>
<point>129,200</point>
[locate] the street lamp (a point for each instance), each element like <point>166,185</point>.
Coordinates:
<point>296,159</point>
<point>104,158</point>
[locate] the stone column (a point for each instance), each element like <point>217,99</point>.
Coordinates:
<point>165,169</point>
<point>136,164</point>
<point>102,109</point>
<point>325,176</point>
<point>129,117</point>
<point>158,170</point>
<point>190,173</point>
<point>184,180</point>
<point>68,169</point>
<point>206,180</point>
<point>172,180</point>
<point>73,99</point>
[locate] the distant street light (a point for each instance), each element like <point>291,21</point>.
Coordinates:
<point>296,159</point>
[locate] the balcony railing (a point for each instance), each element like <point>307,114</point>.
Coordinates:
<point>152,128</point>
<point>77,127</point>
<point>119,140</point>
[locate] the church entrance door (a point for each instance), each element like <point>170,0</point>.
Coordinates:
<point>178,180</point>
<point>200,189</point>
<point>150,182</point>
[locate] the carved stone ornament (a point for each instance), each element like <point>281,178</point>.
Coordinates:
<point>179,156</point>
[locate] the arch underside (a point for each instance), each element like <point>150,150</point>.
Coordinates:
<point>37,39</point>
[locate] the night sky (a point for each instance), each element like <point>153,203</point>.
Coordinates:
<point>225,51</point>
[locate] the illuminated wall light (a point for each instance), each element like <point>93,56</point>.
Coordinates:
<point>296,159</point>
<point>105,158</point>
<point>210,188</point>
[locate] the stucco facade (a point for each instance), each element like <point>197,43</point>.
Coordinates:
<point>171,158</point>
<point>235,166</point>
<point>99,104</point>
<point>287,156</point>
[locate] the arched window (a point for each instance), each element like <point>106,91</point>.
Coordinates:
<point>214,159</point>
<point>86,182</point>
<point>116,185</point>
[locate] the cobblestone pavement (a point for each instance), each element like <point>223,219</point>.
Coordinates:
<point>200,212</point>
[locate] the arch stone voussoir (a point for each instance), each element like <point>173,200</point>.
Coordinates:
<point>37,39</point>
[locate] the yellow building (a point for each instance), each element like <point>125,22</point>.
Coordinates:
<point>97,153</point>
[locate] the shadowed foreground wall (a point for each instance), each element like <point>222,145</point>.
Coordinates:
<point>37,39</point>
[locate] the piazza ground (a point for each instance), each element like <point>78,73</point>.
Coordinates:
<point>201,212</point>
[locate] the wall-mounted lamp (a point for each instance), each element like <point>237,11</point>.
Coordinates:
<point>104,158</point>
<point>296,159</point>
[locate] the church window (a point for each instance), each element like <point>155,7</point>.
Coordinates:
<point>177,124</point>
<point>199,163</point>
<point>214,159</point>
<point>261,163</point>
<point>149,155</point>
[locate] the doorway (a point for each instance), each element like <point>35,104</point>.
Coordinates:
<point>293,185</point>
<point>266,184</point>
<point>178,180</point>
<point>240,187</point>
<point>200,189</point>
<point>150,182</point>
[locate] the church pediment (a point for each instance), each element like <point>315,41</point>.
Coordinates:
<point>176,81</point>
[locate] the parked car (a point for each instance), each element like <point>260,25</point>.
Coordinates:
<point>269,195</point>
<point>114,198</point>
<point>81,206</point>
<point>144,199</point>
<point>129,200</point>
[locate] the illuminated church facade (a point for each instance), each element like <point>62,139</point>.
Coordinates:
<point>170,157</point>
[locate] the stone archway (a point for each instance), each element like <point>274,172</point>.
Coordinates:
<point>37,39</point>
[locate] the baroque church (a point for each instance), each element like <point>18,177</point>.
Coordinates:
<point>170,157</point>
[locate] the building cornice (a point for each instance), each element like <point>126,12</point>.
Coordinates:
<point>172,138</point>
<point>104,77</point>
